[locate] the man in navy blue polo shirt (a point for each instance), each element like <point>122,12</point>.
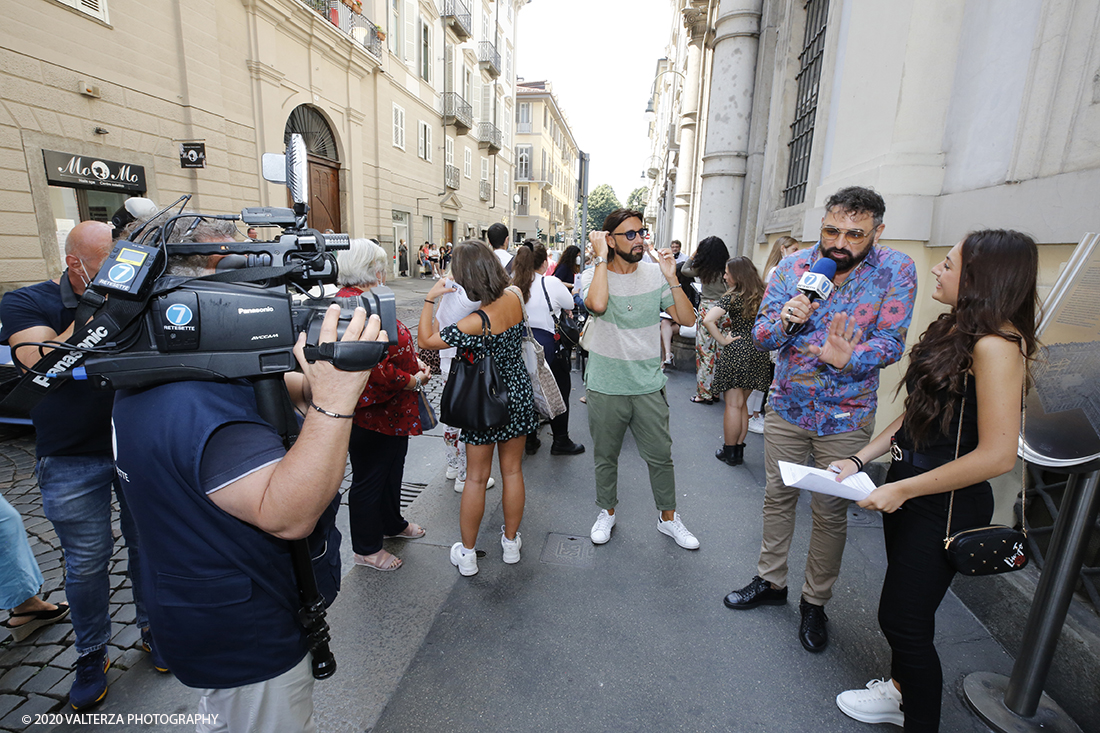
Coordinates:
<point>217,495</point>
<point>75,466</point>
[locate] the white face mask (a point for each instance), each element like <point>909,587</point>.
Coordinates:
<point>83,275</point>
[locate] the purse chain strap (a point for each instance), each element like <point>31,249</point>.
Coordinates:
<point>1023,469</point>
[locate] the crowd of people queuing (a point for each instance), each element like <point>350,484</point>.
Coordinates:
<point>221,493</point>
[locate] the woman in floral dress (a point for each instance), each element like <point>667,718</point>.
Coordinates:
<point>480,273</point>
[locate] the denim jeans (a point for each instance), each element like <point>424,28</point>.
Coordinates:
<point>76,498</point>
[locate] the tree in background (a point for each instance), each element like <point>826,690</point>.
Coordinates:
<point>638,199</point>
<point>601,202</point>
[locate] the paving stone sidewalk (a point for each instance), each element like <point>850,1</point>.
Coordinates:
<point>36,673</point>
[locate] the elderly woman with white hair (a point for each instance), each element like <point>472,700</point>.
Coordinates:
<point>386,415</point>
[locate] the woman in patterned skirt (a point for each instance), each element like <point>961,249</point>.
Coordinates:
<point>708,263</point>
<point>480,273</point>
<point>741,367</point>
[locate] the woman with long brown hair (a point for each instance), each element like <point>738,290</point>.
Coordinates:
<point>480,273</point>
<point>960,428</point>
<point>741,367</point>
<point>708,264</point>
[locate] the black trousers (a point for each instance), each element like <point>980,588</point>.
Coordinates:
<point>917,578</point>
<point>374,499</point>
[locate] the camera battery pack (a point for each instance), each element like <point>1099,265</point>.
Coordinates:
<point>130,269</point>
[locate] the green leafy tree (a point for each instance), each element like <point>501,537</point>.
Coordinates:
<point>601,202</point>
<point>638,198</point>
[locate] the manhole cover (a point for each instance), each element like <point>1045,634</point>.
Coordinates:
<point>860,517</point>
<point>567,549</point>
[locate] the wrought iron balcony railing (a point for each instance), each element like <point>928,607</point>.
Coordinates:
<point>486,190</point>
<point>456,13</point>
<point>451,176</point>
<point>348,19</point>
<point>489,136</point>
<point>489,58</point>
<point>458,112</point>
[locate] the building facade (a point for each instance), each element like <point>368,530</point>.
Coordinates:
<point>406,107</point>
<point>546,156</point>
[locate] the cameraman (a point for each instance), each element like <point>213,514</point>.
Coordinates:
<point>216,493</point>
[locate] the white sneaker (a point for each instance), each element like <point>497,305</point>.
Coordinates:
<point>463,559</point>
<point>880,702</point>
<point>601,530</point>
<point>756,425</point>
<point>460,484</point>
<point>675,529</point>
<point>453,472</point>
<point>511,547</point>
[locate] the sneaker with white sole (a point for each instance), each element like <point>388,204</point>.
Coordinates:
<point>463,559</point>
<point>601,530</point>
<point>453,472</point>
<point>510,547</point>
<point>880,702</point>
<point>675,529</point>
<point>460,484</point>
<point>756,425</point>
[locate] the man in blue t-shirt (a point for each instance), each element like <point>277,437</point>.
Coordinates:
<point>217,495</point>
<point>75,465</point>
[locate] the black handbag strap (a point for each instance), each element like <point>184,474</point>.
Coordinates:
<point>548,306</point>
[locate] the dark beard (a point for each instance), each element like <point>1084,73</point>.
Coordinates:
<point>612,253</point>
<point>845,263</point>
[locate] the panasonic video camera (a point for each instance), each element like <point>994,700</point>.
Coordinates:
<point>242,321</point>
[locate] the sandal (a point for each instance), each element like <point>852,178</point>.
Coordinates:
<point>702,400</point>
<point>381,561</point>
<point>411,532</point>
<point>38,620</point>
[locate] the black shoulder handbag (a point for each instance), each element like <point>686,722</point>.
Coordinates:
<point>475,396</point>
<point>986,550</point>
<point>565,325</point>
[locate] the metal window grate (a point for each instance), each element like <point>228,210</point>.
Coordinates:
<point>805,112</point>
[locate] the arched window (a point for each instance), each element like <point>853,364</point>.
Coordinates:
<point>314,129</point>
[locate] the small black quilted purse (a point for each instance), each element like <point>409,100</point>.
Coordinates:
<point>987,550</point>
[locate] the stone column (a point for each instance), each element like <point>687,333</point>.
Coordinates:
<point>695,20</point>
<point>732,78</point>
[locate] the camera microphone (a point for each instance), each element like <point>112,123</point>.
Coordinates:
<point>816,284</point>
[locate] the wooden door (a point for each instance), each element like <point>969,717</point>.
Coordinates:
<point>449,231</point>
<point>324,195</point>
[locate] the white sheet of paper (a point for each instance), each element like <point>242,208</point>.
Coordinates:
<point>856,487</point>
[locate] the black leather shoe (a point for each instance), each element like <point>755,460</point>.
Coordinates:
<point>812,631</point>
<point>757,593</point>
<point>532,446</point>
<point>565,448</point>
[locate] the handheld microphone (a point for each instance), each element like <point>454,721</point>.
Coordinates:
<point>817,284</point>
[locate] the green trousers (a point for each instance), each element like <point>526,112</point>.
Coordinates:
<point>647,417</point>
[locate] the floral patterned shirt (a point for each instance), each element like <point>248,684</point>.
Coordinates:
<point>386,406</point>
<point>806,391</point>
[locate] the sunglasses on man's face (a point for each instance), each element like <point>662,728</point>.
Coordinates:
<point>632,233</point>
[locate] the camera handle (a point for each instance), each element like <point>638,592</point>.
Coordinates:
<point>275,407</point>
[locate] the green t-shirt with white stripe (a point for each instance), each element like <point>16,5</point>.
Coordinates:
<point>624,357</point>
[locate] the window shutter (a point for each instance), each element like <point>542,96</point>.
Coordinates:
<point>427,142</point>
<point>410,32</point>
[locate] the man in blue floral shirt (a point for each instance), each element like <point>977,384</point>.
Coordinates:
<point>824,397</point>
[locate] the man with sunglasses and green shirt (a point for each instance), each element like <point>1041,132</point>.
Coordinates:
<point>625,384</point>
<point>824,395</point>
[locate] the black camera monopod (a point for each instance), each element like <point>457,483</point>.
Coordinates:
<point>274,407</point>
